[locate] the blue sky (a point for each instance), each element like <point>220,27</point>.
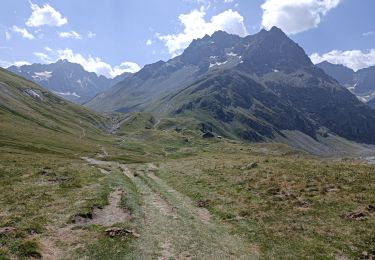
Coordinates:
<point>111,36</point>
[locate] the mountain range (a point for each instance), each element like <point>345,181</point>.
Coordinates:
<point>361,82</point>
<point>253,88</point>
<point>68,80</point>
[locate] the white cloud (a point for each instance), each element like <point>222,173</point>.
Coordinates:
<point>23,32</point>
<point>149,42</point>
<point>126,67</point>
<point>91,35</point>
<point>48,49</point>
<point>228,1</point>
<point>7,36</point>
<point>6,64</point>
<point>45,15</point>
<point>196,27</point>
<point>295,16</point>
<point>95,64</point>
<point>355,59</point>
<point>43,57</point>
<point>20,63</point>
<point>368,33</point>
<point>70,34</point>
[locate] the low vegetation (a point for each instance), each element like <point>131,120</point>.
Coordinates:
<point>185,196</point>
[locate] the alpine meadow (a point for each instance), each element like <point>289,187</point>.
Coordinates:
<point>194,129</point>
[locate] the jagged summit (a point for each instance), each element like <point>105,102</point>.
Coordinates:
<point>251,87</point>
<point>67,79</point>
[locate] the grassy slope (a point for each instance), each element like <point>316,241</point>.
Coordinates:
<point>43,181</point>
<point>289,206</point>
<point>51,124</point>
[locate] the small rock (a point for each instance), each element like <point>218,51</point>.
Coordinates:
<point>249,166</point>
<point>208,135</point>
<point>119,232</point>
<point>7,230</point>
<point>303,204</point>
<point>202,203</point>
<point>355,215</point>
<point>371,208</point>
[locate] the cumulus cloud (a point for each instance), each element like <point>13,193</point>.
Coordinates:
<point>149,42</point>
<point>70,34</point>
<point>355,59</point>
<point>91,64</point>
<point>21,62</point>
<point>45,15</point>
<point>295,16</point>
<point>7,36</point>
<point>23,32</point>
<point>369,33</point>
<point>6,64</point>
<point>43,57</point>
<point>195,26</point>
<point>127,66</point>
<point>91,35</point>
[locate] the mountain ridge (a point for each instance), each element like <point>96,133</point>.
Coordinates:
<point>360,82</point>
<point>193,84</point>
<point>66,79</point>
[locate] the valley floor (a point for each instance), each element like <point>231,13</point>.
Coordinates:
<point>150,194</point>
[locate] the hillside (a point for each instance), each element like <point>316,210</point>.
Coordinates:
<point>34,118</point>
<point>371,103</point>
<point>250,88</point>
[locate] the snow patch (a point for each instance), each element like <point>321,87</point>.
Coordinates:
<point>233,54</point>
<point>67,94</point>
<point>32,93</point>
<point>366,98</point>
<point>217,64</point>
<point>40,76</point>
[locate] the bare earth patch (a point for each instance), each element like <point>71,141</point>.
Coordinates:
<point>112,213</point>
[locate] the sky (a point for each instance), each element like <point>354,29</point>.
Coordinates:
<point>110,37</point>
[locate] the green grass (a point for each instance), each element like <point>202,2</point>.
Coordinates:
<point>267,203</point>
<point>104,247</point>
<point>290,206</point>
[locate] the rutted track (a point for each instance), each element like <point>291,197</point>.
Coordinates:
<point>174,227</point>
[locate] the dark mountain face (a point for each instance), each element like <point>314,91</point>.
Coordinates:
<point>252,88</point>
<point>260,53</point>
<point>68,80</point>
<point>364,81</point>
<point>342,74</point>
<point>361,82</point>
<point>371,103</point>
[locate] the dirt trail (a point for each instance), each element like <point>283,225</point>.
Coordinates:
<point>70,237</point>
<point>175,228</point>
<point>157,124</point>
<point>82,134</point>
<point>110,214</point>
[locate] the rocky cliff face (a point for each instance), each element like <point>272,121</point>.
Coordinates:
<point>252,88</point>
